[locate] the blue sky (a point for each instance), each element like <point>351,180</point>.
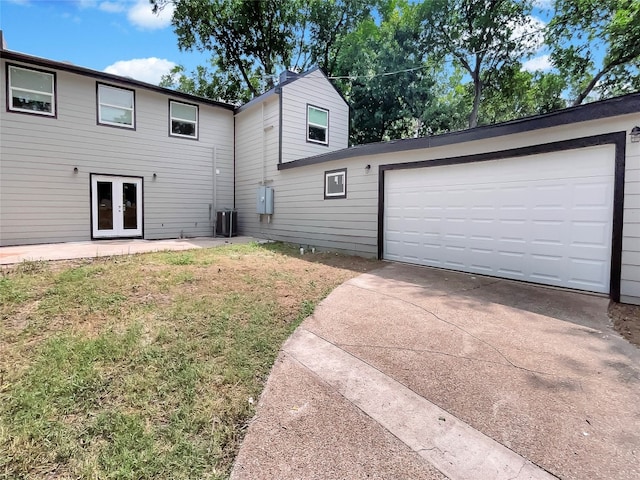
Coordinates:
<point>119,36</point>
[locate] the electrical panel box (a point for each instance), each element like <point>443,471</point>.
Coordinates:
<point>264,205</point>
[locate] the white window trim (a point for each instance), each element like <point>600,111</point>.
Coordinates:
<point>310,123</point>
<point>329,175</point>
<point>172,118</point>
<point>11,89</point>
<point>131,109</point>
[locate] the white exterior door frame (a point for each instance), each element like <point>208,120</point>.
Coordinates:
<point>116,206</point>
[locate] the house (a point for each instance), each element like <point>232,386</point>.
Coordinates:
<point>552,199</point>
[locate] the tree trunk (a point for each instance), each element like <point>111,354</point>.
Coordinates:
<point>477,93</point>
<point>587,90</point>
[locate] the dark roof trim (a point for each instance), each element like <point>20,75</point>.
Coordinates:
<point>581,113</point>
<point>87,72</point>
<point>278,89</point>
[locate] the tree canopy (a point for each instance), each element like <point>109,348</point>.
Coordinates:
<point>415,68</point>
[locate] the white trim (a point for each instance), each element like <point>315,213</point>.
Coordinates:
<point>332,175</point>
<point>172,118</point>
<point>117,227</point>
<point>120,107</point>
<point>13,88</point>
<point>318,125</point>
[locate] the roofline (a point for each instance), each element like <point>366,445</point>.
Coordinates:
<point>87,72</point>
<point>591,111</point>
<point>277,90</point>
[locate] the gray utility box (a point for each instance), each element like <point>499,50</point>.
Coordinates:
<point>226,223</point>
<point>264,204</point>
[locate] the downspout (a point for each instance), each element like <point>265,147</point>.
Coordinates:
<point>264,149</point>
<point>215,189</point>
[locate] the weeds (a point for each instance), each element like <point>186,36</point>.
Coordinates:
<point>142,366</point>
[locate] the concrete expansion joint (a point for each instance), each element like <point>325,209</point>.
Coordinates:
<point>455,448</point>
<point>455,325</point>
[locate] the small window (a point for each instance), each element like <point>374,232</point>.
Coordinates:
<point>335,184</point>
<point>317,125</point>
<point>184,120</point>
<point>116,106</point>
<point>31,91</point>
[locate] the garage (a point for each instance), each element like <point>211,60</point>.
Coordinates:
<point>544,218</point>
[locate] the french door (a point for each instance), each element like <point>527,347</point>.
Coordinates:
<point>116,206</point>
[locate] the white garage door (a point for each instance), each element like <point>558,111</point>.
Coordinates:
<point>542,218</point>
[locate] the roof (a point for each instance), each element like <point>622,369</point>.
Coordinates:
<point>276,90</point>
<point>87,72</point>
<point>591,111</point>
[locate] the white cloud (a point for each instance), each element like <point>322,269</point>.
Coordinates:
<point>542,63</point>
<point>148,70</point>
<point>543,4</point>
<point>531,33</point>
<point>112,7</point>
<point>141,15</point>
<point>86,3</point>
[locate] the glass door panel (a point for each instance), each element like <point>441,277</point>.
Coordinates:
<point>130,206</point>
<point>105,205</point>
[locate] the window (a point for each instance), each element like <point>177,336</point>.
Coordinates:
<point>31,91</point>
<point>116,106</point>
<point>335,184</point>
<point>317,125</point>
<point>184,120</point>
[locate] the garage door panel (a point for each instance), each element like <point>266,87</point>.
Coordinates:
<point>544,218</point>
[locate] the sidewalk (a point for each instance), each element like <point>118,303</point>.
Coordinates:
<point>106,248</point>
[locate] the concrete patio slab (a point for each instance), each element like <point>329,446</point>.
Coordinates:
<point>107,248</point>
<point>536,372</point>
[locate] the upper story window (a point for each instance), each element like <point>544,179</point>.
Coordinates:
<point>31,91</point>
<point>317,125</point>
<point>116,106</point>
<point>184,119</point>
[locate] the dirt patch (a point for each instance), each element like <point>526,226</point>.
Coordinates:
<point>626,321</point>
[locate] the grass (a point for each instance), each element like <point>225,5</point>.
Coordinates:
<point>146,366</point>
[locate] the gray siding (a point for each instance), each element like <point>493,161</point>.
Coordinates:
<point>256,161</point>
<point>302,215</point>
<point>316,90</point>
<point>43,200</point>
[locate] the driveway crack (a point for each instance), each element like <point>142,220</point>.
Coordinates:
<point>437,352</point>
<point>488,344</point>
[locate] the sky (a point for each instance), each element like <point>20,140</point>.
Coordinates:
<point>122,37</point>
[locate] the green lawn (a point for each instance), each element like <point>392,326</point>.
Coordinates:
<point>146,366</point>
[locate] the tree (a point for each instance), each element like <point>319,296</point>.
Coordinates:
<point>252,41</point>
<point>385,81</point>
<point>516,93</point>
<point>577,26</point>
<point>248,40</point>
<point>481,36</point>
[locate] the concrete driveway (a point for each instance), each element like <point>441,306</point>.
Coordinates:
<point>415,373</point>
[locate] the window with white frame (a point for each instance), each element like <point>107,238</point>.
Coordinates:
<point>335,183</point>
<point>116,106</point>
<point>31,91</point>
<point>184,119</point>
<point>317,125</point>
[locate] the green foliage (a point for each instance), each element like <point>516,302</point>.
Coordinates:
<point>413,68</point>
<point>384,106</point>
<point>483,37</point>
<point>580,24</point>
